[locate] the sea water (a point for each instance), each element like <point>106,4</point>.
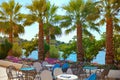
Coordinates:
<point>100,58</point>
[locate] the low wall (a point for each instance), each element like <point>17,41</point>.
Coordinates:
<point>4,63</point>
<point>115,74</point>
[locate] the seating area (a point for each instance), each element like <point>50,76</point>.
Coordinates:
<point>59,39</point>
<point>12,73</point>
<point>58,71</point>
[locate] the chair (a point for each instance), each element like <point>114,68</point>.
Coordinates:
<point>37,66</point>
<point>91,77</point>
<point>69,71</point>
<point>56,66</point>
<point>24,66</point>
<point>12,73</point>
<point>38,69</point>
<point>46,75</point>
<point>56,72</point>
<point>44,63</point>
<point>65,66</point>
<point>102,75</point>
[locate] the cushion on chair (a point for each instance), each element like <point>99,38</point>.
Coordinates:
<point>91,77</point>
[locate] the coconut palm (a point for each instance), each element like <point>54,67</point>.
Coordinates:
<point>79,16</point>
<point>110,10</point>
<point>11,18</point>
<point>37,14</point>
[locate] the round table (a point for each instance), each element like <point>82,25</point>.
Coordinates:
<point>49,66</point>
<point>67,77</point>
<point>90,68</point>
<point>27,70</point>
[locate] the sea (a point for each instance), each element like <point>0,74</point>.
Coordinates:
<point>100,58</point>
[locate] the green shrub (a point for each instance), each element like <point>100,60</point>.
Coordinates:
<point>4,49</point>
<point>16,50</point>
<point>54,52</point>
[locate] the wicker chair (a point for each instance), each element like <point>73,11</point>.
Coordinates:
<point>46,75</point>
<point>12,73</point>
<point>69,71</point>
<point>38,68</point>
<point>56,72</point>
<point>103,75</point>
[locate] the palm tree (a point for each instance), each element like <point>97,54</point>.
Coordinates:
<point>11,18</point>
<point>79,16</point>
<point>110,10</point>
<point>37,14</point>
<point>50,27</point>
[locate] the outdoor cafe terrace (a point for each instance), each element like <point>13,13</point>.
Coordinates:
<point>56,70</point>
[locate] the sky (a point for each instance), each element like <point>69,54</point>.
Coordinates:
<point>31,31</point>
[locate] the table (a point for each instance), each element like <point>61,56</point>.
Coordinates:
<point>89,68</point>
<point>49,66</point>
<point>27,70</point>
<point>67,77</point>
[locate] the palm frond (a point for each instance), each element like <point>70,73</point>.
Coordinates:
<point>30,19</point>
<point>1,13</point>
<point>86,32</point>
<point>11,4</point>
<point>66,22</point>
<point>67,31</point>
<point>102,21</point>
<point>53,9</point>
<point>17,8</point>
<point>5,7</point>
<point>117,27</point>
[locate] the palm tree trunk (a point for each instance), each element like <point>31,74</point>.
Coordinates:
<point>48,39</point>
<point>80,55</point>
<point>48,42</point>
<point>41,42</point>
<point>11,41</point>
<point>109,41</point>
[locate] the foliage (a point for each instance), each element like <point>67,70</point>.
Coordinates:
<point>10,18</point>
<point>38,10</point>
<point>109,16</point>
<point>29,46</point>
<point>54,52</point>
<point>80,16</point>
<point>116,42</point>
<point>90,44</point>
<point>91,47</point>
<point>80,12</point>
<point>16,50</point>
<point>67,48</point>
<point>108,9</point>
<point>50,27</point>
<point>117,47</point>
<point>4,49</point>
<point>46,49</point>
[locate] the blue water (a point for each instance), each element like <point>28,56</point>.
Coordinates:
<point>100,58</point>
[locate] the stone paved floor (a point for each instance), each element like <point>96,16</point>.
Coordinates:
<point>3,75</point>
